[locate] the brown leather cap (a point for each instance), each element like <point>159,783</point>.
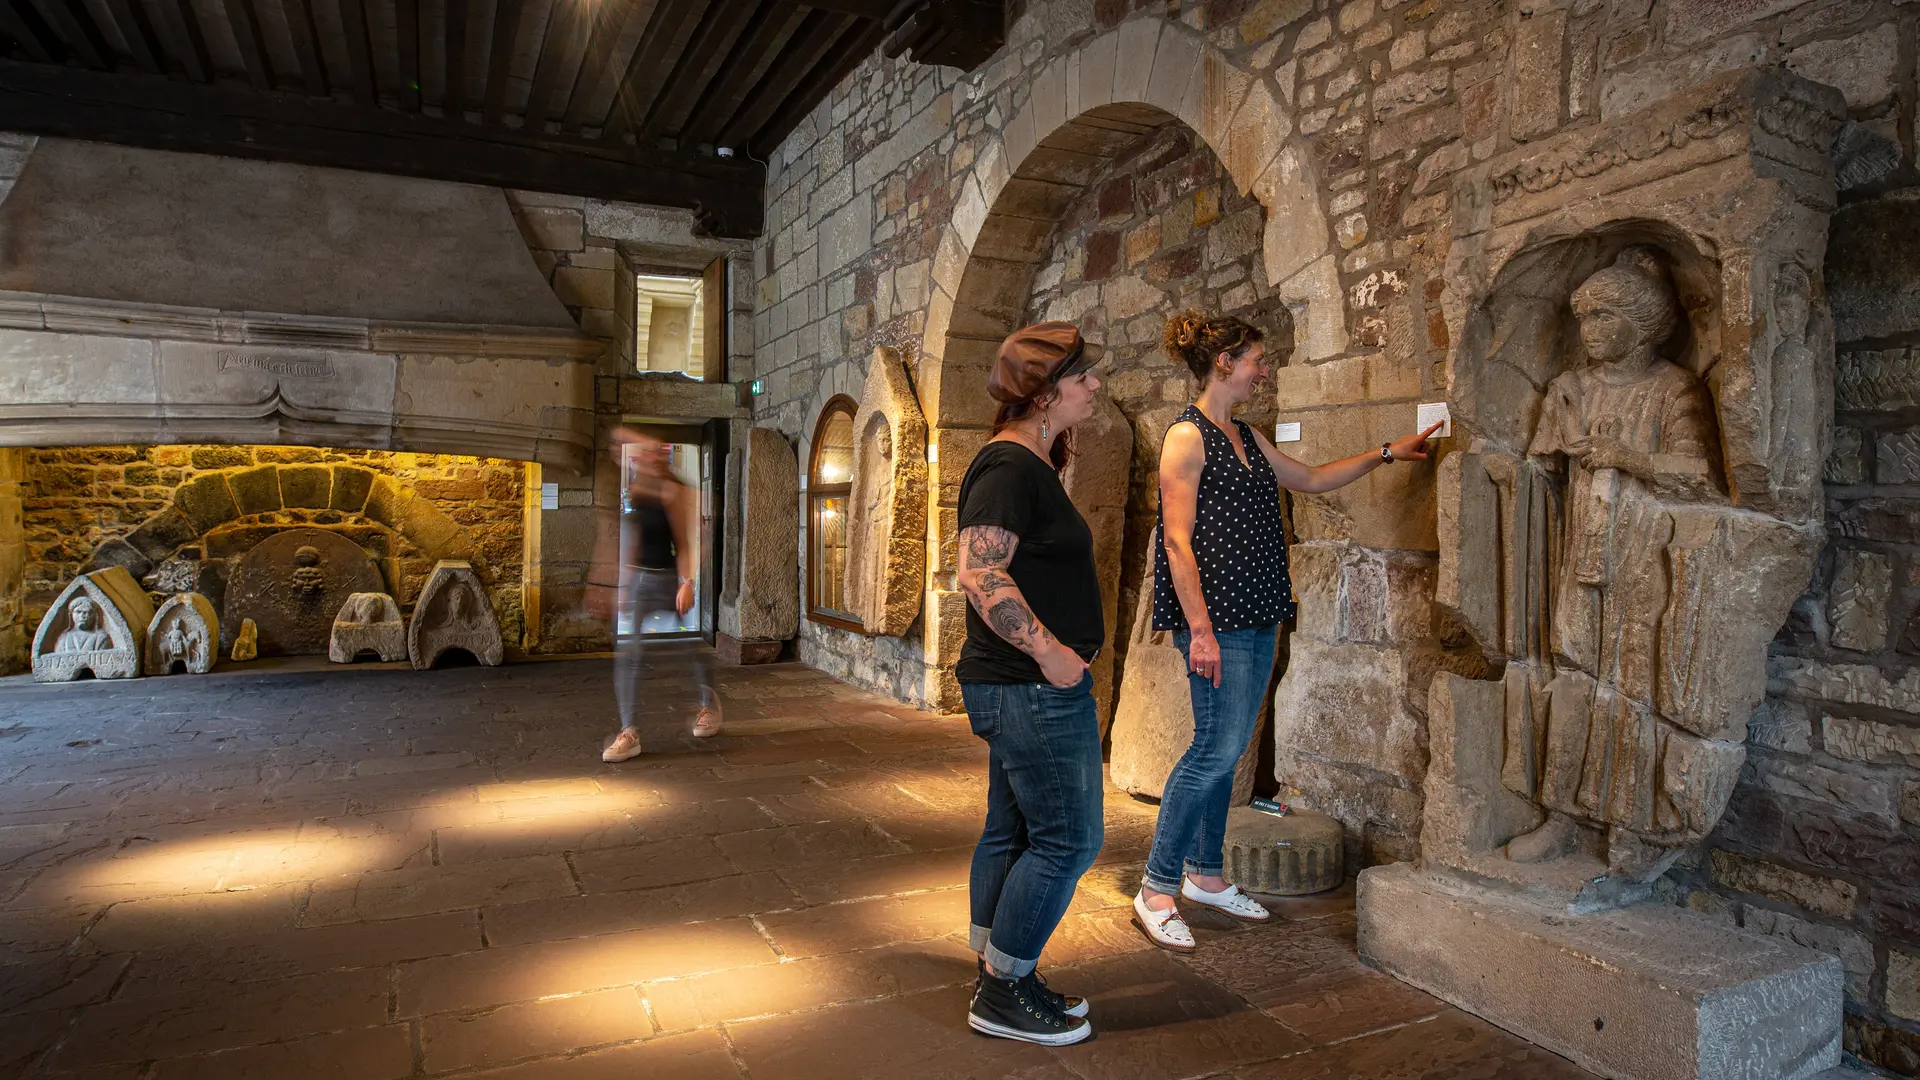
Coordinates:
<point>1035,358</point>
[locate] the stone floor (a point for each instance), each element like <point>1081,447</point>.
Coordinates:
<point>379,873</point>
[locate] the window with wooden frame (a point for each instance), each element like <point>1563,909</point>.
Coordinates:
<point>829,488</point>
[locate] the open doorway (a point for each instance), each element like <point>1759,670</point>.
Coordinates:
<point>696,459</point>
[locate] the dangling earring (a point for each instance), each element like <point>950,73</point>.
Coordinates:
<point>1043,429</point>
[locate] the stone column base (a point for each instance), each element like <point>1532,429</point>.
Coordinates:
<point>734,651</point>
<point>1642,993</point>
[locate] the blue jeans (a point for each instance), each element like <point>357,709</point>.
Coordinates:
<point>1044,814</point>
<point>1193,806</point>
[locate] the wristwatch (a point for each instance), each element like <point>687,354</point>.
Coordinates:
<point>1386,451</point>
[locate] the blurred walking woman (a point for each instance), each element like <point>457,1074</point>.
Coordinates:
<point>1220,584</point>
<point>1033,624</point>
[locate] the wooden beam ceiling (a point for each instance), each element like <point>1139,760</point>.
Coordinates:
<point>624,99</point>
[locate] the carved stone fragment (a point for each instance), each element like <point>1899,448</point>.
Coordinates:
<point>887,536</point>
<point>453,612</point>
<point>767,604</point>
<point>97,626</point>
<point>1283,855</point>
<point>368,622</point>
<point>1096,480</point>
<point>246,641</point>
<point>293,583</point>
<point>184,636</point>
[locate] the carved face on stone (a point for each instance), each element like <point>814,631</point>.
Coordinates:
<point>308,579</point>
<point>80,613</point>
<point>1791,302</point>
<point>1627,309</point>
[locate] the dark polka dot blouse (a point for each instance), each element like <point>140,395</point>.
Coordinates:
<point>1237,539</point>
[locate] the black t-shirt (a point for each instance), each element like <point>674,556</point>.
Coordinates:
<point>1009,486</point>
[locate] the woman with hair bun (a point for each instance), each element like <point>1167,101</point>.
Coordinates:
<point>1220,584</point>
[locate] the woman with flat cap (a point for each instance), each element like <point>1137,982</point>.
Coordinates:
<point>1033,625</point>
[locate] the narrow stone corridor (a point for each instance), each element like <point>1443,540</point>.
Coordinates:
<point>382,873</point>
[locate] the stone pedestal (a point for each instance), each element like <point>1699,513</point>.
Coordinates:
<point>1283,854</point>
<point>732,650</point>
<point>368,622</point>
<point>1642,993</point>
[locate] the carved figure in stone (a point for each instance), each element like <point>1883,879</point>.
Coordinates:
<point>308,578</point>
<point>84,632</point>
<point>246,643</point>
<point>1606,726</point>
<point>180,635</point>
<point>368,622</point>
<point>293,583</point>
<point>886,538</point>
<point>453,613</point>
<point>97,626</point>
<point>1795,427</point>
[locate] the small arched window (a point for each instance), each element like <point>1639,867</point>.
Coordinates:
<point>829,484</point>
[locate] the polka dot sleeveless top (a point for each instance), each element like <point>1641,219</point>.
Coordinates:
<point>1237,539</point>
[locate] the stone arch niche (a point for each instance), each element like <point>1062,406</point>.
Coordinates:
<point>887,551</point>
<point>1620,543</point>
<point>1088,106</point>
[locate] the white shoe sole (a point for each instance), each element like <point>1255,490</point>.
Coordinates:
<point>1066,1038</point>
<point>1264,915</point>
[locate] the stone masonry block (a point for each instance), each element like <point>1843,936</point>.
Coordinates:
<point>207,501</point>
<point>306,486</point>
<point>256,490</point>
<point>1637,994</point>
<point>158,536</point>
<point>351,484</point>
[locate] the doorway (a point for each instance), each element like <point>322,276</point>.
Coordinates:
<point>697,460</point>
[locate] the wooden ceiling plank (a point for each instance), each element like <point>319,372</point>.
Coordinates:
<point>407,43</point>
<point>306,46</point>
<point>184,24</point>
<point>353,20</point>
<point>746,67</point>
<point>567,23</point>
<point>672,24</point>
<point>865,9</point>
<point>694,74</point>
<point>610,25</point>
<point>451,101</point>
<point>246,33</point>
<point>808,50</point>
<point>133,26</point>
<point>60,16</point>
<point>139,110</point>
<point>17,27</point>
<point>854,46</point>
<point>506,31</point>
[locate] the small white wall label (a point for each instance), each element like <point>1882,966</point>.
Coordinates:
<point>549,496</point>
<point>1288,432</point>
<point>1434,412</point>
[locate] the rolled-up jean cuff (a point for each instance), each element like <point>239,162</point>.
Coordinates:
<point>1009,967</point>
<point>978,936</point>
<point>1203,870</point>
<point>1161,885</point>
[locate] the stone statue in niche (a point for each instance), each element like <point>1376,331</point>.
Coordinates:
<point>453,613</point>
<point>97,626</point>
<point>293,583</point>
<point>1610,721</point>
<point>182,636</point>
<point>368,622</point>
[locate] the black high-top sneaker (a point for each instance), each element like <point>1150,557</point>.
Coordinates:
<point>1016,1009</point>
<point>1066,1003</point>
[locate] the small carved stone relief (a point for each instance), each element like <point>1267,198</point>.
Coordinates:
<point>293,583</point>
<point>246,643</point>
<point>887,544</point>
<point>183,637</point>
<point>368,622</point>
<point>96,626</point>
<point>453,612</point>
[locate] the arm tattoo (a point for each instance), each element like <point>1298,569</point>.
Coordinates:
<point>992,581</point>
<point>989,546</point>
<point>987,552</point>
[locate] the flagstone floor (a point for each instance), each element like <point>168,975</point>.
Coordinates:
<point>275,871</point>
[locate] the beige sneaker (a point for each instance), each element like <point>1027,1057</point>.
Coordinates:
<point>706,723</point>
<point>624,746</point>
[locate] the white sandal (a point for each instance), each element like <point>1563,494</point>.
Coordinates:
<point>1164,928</point>
<point>1231,900</point>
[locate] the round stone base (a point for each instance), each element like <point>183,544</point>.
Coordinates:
<point>1284,855</point>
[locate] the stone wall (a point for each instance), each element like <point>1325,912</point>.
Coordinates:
<point>15,631</point>
<point>1822,844</point>
<point>76,499</point>
<point>917,208</point>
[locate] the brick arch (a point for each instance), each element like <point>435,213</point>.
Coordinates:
<point>1087,107</point>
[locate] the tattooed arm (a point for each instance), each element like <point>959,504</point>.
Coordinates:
<point>986,551</point>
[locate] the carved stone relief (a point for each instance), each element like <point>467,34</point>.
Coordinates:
<point>246,642</point>
<point>453,612</point>
<point>368,622</point>
<point>293,583</point>
<point>887,543</point>
<point>183,637</point>
<point>767,606</point>
<point>97,626</point>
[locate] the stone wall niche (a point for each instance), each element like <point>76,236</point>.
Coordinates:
<point>97,626</point>
<point>1642,376</point>
<point>184,637</point>
<point>887,545</point>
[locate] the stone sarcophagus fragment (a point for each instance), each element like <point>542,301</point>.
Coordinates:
<point>97,626</point>
<point>184,636</point>
<point>368,622</point>
<point>887,532</point>
<point>1642,387</point>
<point>453,612</point>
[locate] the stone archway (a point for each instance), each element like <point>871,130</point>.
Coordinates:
<point>1086,107</point>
